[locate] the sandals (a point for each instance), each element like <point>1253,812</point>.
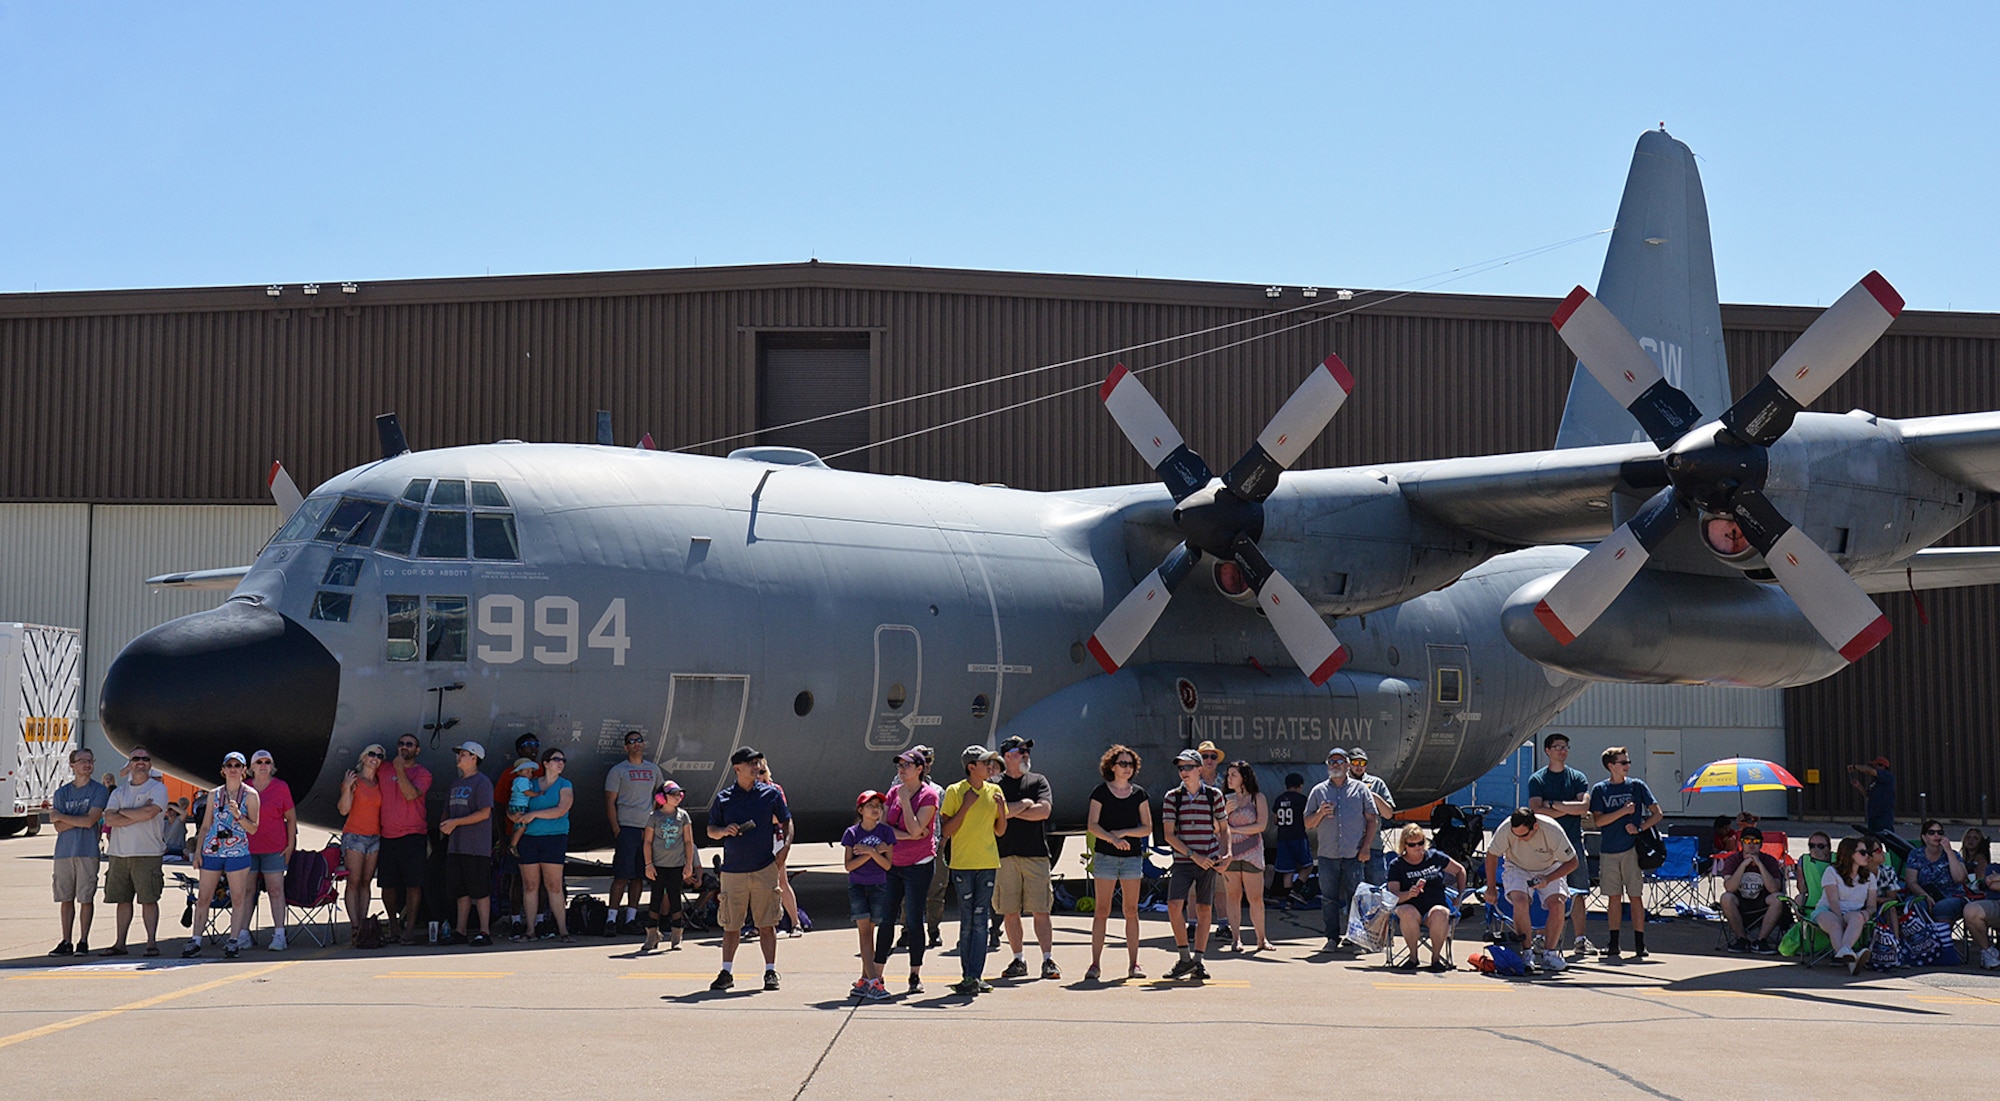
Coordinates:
<point>1092,975</point>
<point>1135,973</point>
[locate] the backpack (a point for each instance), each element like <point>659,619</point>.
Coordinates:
<point>1505,960</point>
<point>1651,847</point>
<point>1926,942</point>
<point>587,915</point>
<point>368,932</point>
<point>1886,949</point>
<point>308,880</point>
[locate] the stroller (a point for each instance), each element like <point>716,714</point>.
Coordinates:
<point>1460,833</point>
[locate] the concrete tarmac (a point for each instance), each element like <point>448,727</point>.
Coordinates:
<point>598,1018</point>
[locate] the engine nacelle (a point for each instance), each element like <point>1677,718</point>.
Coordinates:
<point>1677,628</point>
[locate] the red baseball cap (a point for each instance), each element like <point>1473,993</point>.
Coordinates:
<point>863,798</point>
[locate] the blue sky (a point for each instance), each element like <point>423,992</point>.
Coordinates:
<point>1336,145</point>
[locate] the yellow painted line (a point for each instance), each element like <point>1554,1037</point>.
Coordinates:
<point>445,975</point>
<point>143,1003</point>
<point>1444,986</point>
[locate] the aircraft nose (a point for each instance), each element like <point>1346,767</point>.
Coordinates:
<point>241,677</point>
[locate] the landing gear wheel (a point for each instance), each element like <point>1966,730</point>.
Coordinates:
<point>11,826</point>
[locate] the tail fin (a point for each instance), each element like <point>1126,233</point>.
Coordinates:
<point>1659,279</point>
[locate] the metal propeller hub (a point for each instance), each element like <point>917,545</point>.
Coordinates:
<point>1212,518</point>
<point>1709,465</point>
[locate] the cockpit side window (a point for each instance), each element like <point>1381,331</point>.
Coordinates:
<point>305,521</point>
<point>444,534</point>
<point>352,521</point>
<point>402,626</point>
<point>416,490</point>
<point>493,537</point>
<point>444,628</point>
<point>399,531</point>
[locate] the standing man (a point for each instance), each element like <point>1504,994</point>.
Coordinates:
<point>1563,793</point>
<point>136,813</point>
<point>1197,829</point>
<point>974,815</point>
<point>1023,884</point>
<point>75,810</point>
<point>468,852</point>
<point>628,806</point>
<point>1878,785</point>
<point>1211,775</point>
<point>1621,808</point>
<point>750,818</point>
<point>1376,871</point>
<point>405,858</point>
<point>1539,859</point>
<point>1341,812</point>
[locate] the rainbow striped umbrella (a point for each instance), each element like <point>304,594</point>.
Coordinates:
<point>1740,774</point>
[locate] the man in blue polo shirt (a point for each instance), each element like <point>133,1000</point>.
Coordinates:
<point>751,819</point>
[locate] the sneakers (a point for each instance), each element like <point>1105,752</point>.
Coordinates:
<point>1016,970</point>
<point>1640,952</point>
<point>916,984</point>
<point>1989,958</point>
<point>1180,970</point>
<point>1739,944</point>
<point>192,950</point>
<point>1612,953</point>
<point>480,940</point>
<point>277,940</point>
<point>1050,970</point>
<point>229,950</point>
<point>1764,947</point>
<point>860,989</point>
<point>1553,961</point>
<point>965,987</point>
<point>63,949</point>
<point>993,941</point>
<point>1440,966</point>
<point>1332,945</point>
<point>1409,964</point>
<point>770,979</point>
<point>983,986</point>
<point>723,980</point>
<point>937,937</point>
<point>652,940</point>
<point>1582,947</point>
<point>1198,973</point>
<point>83,946</point>
<point>876,991</point>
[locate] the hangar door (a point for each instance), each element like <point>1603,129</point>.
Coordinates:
<point>803,375</point>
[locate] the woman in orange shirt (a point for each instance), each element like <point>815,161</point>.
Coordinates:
<point>361,835</point>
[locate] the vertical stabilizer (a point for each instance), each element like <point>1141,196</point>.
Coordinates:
<point>1659,279</point>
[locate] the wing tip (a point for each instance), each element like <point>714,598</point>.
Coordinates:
<point>1102,655</point>
<point>1111,381</point>
<point>1883,292</point>
<point>1569,306</point>
<point>1870,637</point>
<point>1330,666</point>
<point>1554,623</point>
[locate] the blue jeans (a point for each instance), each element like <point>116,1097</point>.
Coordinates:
<point>1376,871</point>
<point>975,910</point>
<point>909,889</point>
<point>1337,880</point>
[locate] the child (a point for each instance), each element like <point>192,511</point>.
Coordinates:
<point>867,844</point>
<point>176,831</point>
<point>518,795</point>
<point>669,861</point>
<point>1294,855</point>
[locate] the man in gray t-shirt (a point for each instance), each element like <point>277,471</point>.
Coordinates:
<point>628,805</point>
<point>1341,813</point>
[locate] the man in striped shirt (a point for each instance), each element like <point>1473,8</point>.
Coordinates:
<point>1195,820</point>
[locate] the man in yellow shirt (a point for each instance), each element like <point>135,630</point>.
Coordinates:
<point>975,815</point>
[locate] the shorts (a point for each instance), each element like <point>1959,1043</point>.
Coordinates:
<point>1186,879</point>
<point>1295,854</point>
<point>1514,881</point>
<point>1618,874</point>
<point>137,879</point>
<point>268,863</point>
<point>360,844</point>
<point>1023,887</point>
<point>1110,866</point>
<point>226,864</point>
<point>1752,910</point>
<point>543,848</point>
<point>868,902</point>
<point>1245,867</point>
<point>751,894</point>
<point>76,879</point>
<point>402,865</point>
<point>1579,880</point>
<point>467,876</point>
<point>628,854</point>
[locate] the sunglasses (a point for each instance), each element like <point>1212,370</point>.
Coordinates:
<point>372,753</point>
<point>1753,841</point>
<point>233,764</point>
<point>1933,833</point>
<point>1188,768</point>
<point>557,760</point>
<point>140,760</point>
<point>1125,764</point>
<point>1622,761</point>
<point>635,741</point>
<point>1413,844</point>
<point>1211,757</point>
<point>1819,848</point>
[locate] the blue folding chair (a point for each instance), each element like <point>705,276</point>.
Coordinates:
<point>1677,881</point>
<point>1500,917</point>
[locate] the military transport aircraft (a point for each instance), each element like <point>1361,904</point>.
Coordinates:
<point>834,618</point>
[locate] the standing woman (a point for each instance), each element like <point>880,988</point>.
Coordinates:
<point>1121,821</point>
<point>277,834</point>
<point>910,809</point>
<point>783,843</point>
<point>361,834</point>
<point>545,844</point>
<point>1243,876</point>
<point>1846,902</point>
<point>224,850</point>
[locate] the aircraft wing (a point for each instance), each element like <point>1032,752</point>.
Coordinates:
<point>224,578</point>
<point>1534,497</point>
<point>1964,447</point>
<point>1937,568</point>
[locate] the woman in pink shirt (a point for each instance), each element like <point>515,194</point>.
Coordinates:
<point>277,835</point>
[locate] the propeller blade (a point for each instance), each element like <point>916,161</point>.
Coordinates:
<point>1816,360</point>
<point>1837,607</point>
<point>1128,624</point>
<point>1297,424</point>
<point>1574,602</point>
<point>1148,427</point>
<point>284,491</point>
<point>1305,635</point>
<point>646,442</point>
<point>1607,349</point>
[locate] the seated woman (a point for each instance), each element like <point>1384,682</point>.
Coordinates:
<point>1847,902</point>
<point>1934,873</point>
<point>1977,852</point>
<point>1753,883</point>
<point>1417,881</point>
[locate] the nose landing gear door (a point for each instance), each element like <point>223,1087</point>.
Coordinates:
<point>895,714</point>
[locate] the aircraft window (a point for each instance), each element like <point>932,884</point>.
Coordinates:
<point>444,535</point>
<point>331,607</point>
<point>342,571</point>
<point>488,495</point>
<point>402,628</point>
<point>444,628</point>
<point>802,704</point>
<point>493,536</point>
<point>448,492</point>
<point>352,521</point>
<point>399,531</point>
<point>1451,685</point>
<point>305,521</point>
<point>896,696</point>
<point>416,490</point>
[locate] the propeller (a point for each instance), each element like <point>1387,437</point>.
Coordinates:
<point>1223,519</point>
<point>1719,470</point>
<point>284,491</point>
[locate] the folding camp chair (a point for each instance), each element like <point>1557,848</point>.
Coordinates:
<point>1707,861</point>
<point>1454,901</point>
<point>1500,916</point>
<point>217,926</point>
<point>1677,881</point>
<point>312,893</point>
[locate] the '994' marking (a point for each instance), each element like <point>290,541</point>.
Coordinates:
<point>557,623</point>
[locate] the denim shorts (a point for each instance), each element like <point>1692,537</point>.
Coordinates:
<point>226,864</point>
<point>868,902</point>
<point>267,863</point>
<point>360,844</point>
<point>544,848</point>
<point>1107,866</point>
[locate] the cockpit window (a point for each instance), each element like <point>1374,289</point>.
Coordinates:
<point>493,536</point>
<point>352,521</point>
<point>444,628</point>
<point>402,627</point>
<point>488,495</point>
<point>448,492</point>
<point>444,534</point>
<point>399,531</point>
<point>415,490</point>
<point>342,571</point>
<point>305,521</point>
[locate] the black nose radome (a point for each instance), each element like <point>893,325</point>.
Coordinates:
<point>242,677</point>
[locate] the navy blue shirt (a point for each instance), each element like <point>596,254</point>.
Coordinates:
<point>1561,787</point>
<point>1882,801</point>
<point>1606,797</point>
<point>757,811</point>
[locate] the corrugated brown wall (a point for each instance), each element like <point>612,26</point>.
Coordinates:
<point>187,395</point>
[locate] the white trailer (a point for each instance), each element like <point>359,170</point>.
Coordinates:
<point>41,682</point>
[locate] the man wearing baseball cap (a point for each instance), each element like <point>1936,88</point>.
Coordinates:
<point>747,817</point>
<point>1341,811</point>
<point>974,815</point>
<point>1196,826</point>
<point>1376,870</point>
<point>1024,884</point>
<point>468,852</point>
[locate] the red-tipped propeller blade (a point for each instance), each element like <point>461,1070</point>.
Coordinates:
<point>1816,360</point>
<point>1128,624</point>
<point>1608,351</point>
<point>1297,424</point>
<point>284,491</point>
<point>1153,433</point>
<point>1300,628</point>
<point>1838,609</point>
<point>1589,587</point>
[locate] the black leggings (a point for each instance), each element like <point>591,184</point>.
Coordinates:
<point>666,902</point>
<point>909,890</point>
